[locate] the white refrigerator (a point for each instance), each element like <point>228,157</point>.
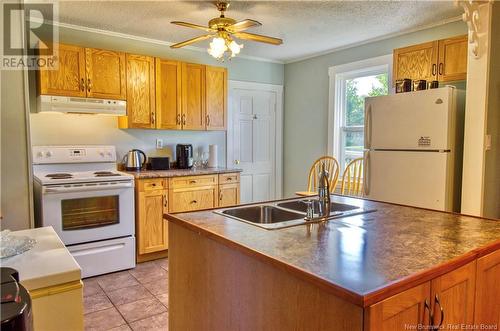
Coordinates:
<point>413,148</point>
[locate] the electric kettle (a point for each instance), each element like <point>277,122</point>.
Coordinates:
<point>132,160</point>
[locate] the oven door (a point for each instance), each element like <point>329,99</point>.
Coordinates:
<point>81,213</point>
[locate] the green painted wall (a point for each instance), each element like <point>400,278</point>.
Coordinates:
<point>306,99</point>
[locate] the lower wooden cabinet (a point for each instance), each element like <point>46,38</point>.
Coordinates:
<point>158,196</point>
<point>487,302</point>
<point>449,297</point>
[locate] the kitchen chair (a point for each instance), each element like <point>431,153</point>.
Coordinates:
<point>351,183</point>
<point>331,165</point>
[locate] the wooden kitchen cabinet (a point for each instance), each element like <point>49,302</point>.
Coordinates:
<point>443,60</point>
<point>69,79</point>
<point>216,97</point>
<point>151,205</point>
<point>193,193</point>
<point>105,71</point>
<point>168,94</point>
<point>229,189</point>
<point>452,65</point>
<point>141,110</point>
<point>193,96</point>
<point>487,304</point>
<point>403,310</point>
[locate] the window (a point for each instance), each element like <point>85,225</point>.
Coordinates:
<point>350,84</point>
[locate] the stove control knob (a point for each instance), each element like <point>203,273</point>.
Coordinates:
<point>48,154</point>
<point>109,154</point>
<point>101,154</point>
<point>39,154</point>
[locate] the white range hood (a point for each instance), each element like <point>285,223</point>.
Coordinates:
<point>60,104</point>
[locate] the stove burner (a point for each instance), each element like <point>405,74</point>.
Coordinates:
<point>105,174</point>
<point>59,176</point>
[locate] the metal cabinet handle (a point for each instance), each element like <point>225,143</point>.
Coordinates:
<point>434,69</point>
<point>192,182</point>
<point>152,117</point>
<point>178,120</point>
<point>431,315</point>
<point>165,201</point>
<point>194,201</point>
<point>436,301</point>
<point>183,119</point>
<point>366,172</point>
<point>236,161</point>
<point>82,85</point>
<point>220,195</point>
<point>441,68</point>
<point>208,120</point>
<point>89,85</point>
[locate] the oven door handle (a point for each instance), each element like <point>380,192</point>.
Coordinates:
<point>87,188</point>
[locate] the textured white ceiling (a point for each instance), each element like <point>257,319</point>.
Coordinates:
<point>307,27</point>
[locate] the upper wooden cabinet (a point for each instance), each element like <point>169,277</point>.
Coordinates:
<point>216,97</point>
<point>85,72</point>
<point>193,96</point>
<point>69,79</point>
<point>141,92</point>
<point>416,62</point>
<point>105,74</point>
<point>443,60</point>
<point>168,94</point>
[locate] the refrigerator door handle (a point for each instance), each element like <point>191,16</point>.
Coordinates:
<point>366,172</point>
<point>368,127</point>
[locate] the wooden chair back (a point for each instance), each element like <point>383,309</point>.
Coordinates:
<point>331,165</point>
<point>351,179</point>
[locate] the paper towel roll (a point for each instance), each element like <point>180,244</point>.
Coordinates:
<point>212,156</point>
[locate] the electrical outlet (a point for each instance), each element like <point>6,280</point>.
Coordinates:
<point>159,143</point>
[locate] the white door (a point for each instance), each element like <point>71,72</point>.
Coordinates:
<point>416,120</point>
<point>252,142</point>
<point>417,179</point>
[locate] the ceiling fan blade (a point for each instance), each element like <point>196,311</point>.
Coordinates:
<point>194,26</point>
<point>242,25</point>
<point>191,41</point>
<point>258,37</point>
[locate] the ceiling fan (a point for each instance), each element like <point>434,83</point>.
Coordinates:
<point>223,30</point>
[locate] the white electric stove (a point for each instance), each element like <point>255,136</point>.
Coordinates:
<point>90,205</point>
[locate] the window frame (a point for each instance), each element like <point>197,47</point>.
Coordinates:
<point>336,100</point>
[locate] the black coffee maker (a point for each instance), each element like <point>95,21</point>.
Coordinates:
<point>184,154</point>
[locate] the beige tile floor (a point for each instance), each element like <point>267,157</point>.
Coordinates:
<point>135,299</point>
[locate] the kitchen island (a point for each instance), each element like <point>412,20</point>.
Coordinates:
<point>391,269</point>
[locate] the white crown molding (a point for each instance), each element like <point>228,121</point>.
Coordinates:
<point>368,41</point>
<point>139,38</point>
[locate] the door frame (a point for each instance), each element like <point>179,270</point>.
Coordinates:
<point>278,151</point>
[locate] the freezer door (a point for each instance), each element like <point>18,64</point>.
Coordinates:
<point>414,120</point>
<point>418,179</point>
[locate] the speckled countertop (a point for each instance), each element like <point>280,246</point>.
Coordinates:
<point>362,258</point>
<point>180,172</point>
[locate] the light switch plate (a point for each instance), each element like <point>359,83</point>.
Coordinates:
<point>159,143</point>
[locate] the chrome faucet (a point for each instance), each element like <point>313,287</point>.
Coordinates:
<point>323,193</point>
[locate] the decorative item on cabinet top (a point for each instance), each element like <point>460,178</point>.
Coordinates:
<point>160,94</point>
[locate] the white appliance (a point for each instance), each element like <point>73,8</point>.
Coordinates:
<point>88,203</point>
<point>413,148</point>
<point>54,103</point>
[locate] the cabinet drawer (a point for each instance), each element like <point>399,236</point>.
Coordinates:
<point>192,199</point>
<point>229,178</point>
<point>152,184</point>
<point>192,181</point>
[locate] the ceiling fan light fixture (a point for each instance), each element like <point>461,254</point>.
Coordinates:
<point>220,45</point>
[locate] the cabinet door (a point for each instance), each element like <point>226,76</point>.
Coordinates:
<point>403,311</point>
<point>487,310</point>
<point>193,96</point>
<point>152,229</point>
<point>168,94</point>
<point>455,293</point>
<point>229,195</point>
<point>140,91</point>
<point>182,200</point>
<point>452,63</point>
<point>416,62</point>
<point>105,74</point>
<point>69,78</point>
<point>216,98</point>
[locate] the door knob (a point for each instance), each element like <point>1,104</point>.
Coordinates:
<point>236,161</point>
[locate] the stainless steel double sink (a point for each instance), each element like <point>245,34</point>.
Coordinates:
<point>285,214</point>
